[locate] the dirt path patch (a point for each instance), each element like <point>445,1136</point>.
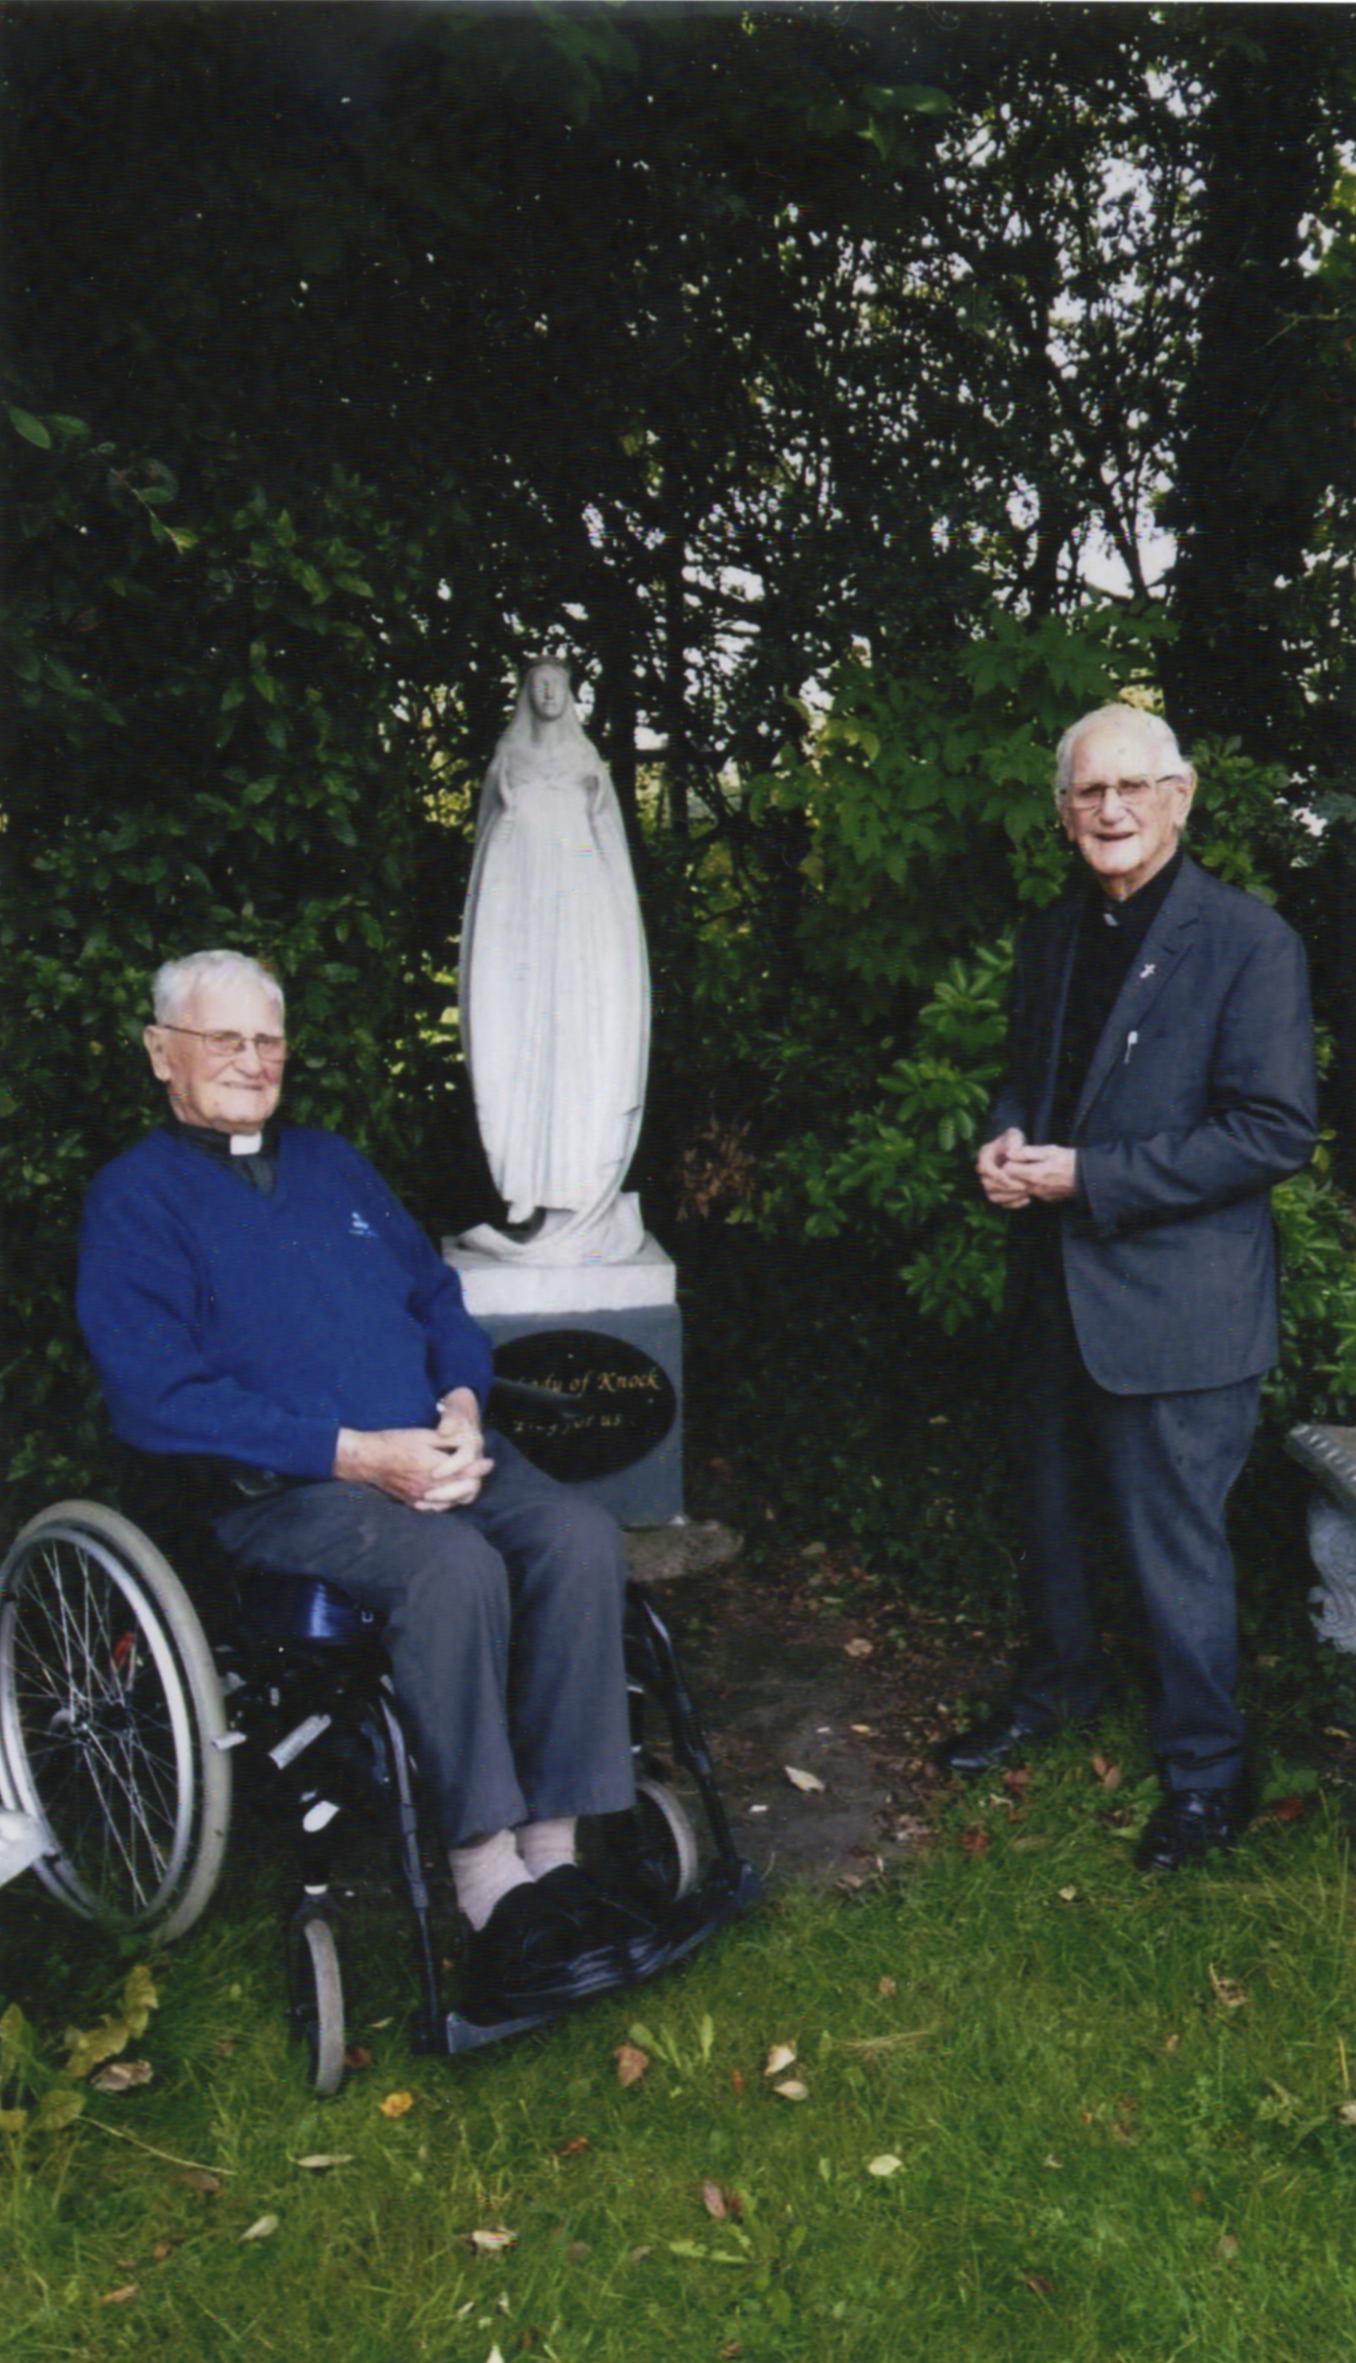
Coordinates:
<point>784,1685</point>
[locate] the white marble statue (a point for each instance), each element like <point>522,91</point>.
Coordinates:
<point>555,989</point>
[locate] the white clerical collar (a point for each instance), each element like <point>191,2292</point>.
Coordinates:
<point>246,1144</point>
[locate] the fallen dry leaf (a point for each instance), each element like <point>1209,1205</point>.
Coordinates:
<point>319,2161</point>
<point>1017,1780</point>
<point>122,2075</point>
<point>263,2230</point>
<point>885,1987</point>
<point>863,1730</point>
<point>1347,2112</point>
<point>632,2063</point>
<point>1288,1808</point>
<point>1227,2248</point>
<point>573,2148</point>
<point>161,2250</point>
<point>356,2058</point>
<point>120,2297</point>
<point>396,2104</point>
<point>975,1840</point>
<point>737,2083</point>
<point>1227,1991</point>
<point>858,1647</point>
<point>782,2055</point>
<point>1068,1895</point>
<point>792,2089</point>
<point>806,1782</point>
<point>1038,2285</point>
<point>713,2200</point>
<point>887,2164</point>
<point>197,2178</point>
<point>1108,1773</point>
<point>492,2242</point>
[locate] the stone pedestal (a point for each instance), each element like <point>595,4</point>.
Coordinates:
<point>610,1337</point>
<point>1329,1454</point>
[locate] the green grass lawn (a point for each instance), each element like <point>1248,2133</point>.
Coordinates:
<point>1050,2110</point>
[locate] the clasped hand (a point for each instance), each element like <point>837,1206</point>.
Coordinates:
<point>440,1468</point>
<point>1011,1174</point>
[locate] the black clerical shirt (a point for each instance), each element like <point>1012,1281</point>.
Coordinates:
<point>1109,936</point>
<point>257,1166</point>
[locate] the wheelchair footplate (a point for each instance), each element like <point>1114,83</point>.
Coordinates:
<point>720,1897</point>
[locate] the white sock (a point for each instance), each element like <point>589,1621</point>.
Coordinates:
<point>484,1872</point>
<point>545,1845</point>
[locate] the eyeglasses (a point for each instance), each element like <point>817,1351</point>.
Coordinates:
<point>1133,792</point>
<point>223,1044</point>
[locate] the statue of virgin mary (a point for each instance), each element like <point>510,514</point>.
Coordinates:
<point>555,989</point>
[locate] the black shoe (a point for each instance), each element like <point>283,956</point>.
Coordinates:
<point>604,1919</point>
<point>1188,1825</point>
<point>1003,1733</point>
<point>535,1954</point>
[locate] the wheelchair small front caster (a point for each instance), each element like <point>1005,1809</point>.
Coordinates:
<point>316,1997</point>
<point>666,1854</point>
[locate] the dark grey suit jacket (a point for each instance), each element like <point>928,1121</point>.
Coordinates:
<point>1199,1097</point>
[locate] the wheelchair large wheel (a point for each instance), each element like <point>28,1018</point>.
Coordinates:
<point>109,1711</point>
<point>316,1988</point>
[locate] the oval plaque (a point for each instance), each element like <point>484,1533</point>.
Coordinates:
<point>618,1404</point>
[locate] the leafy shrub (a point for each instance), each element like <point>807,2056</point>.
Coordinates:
<point>210,738</point>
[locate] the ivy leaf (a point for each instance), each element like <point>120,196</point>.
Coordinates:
<point>32,429</point>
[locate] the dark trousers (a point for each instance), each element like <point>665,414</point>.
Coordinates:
<point>503,1625</point>
<point>1156,1470</point>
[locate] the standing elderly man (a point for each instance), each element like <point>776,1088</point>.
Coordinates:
<point>1160,1080</point>
<point>255,1297</point>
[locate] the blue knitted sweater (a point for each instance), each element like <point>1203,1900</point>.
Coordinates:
<point>253,1327</point>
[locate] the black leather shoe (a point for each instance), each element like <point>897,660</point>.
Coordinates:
<point>604,1919</point>
<point>998,1737</point>
<point>1188,1825</point>
<point>536,1954</point>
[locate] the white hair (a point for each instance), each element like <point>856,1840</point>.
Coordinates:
<point>1155,730</point>
<point>174,985</point>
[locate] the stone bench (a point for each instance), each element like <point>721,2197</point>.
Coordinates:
<point>1329,1454</point>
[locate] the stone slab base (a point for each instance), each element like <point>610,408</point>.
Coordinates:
<point>496,1290</point>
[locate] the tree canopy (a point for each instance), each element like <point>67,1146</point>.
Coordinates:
<point>711,340</point>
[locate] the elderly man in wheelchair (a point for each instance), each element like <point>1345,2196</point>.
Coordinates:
<point>258,1303</point>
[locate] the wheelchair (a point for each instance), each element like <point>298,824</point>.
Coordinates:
<point>124,1729</point>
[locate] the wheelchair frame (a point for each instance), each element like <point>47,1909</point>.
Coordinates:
<point>120,1724</point>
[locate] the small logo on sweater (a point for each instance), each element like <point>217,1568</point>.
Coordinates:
<point>359,1227</point>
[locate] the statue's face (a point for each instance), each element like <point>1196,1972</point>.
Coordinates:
<point>548,686</point>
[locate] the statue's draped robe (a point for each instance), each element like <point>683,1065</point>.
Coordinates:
<point>555,1002</point>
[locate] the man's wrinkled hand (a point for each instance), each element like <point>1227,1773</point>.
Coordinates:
<point>997,1174</point>
<point>439,1468</point>
<point>1046,1173</point>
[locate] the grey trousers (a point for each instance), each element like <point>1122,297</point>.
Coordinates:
<point>503,1625</point>
<point>1159,1469</point>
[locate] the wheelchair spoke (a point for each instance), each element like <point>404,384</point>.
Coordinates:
<point>97,1728</point>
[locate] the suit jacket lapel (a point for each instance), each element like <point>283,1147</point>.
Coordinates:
<point>1164,947</point>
